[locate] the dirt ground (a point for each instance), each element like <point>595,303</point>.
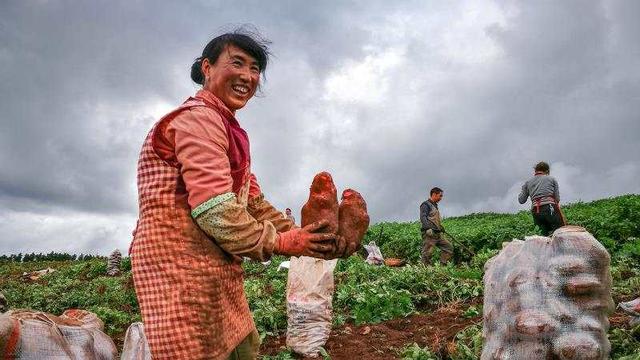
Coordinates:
<point>382,341</point>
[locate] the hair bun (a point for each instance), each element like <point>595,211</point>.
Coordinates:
<point>196,72</point>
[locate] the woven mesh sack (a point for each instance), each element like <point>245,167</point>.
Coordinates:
<point>548,298</point>
<point>113,264</point>
<point>31,335</point>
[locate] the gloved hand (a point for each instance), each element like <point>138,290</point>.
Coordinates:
<point>433,233</point>
<point>306,241</point>
<point>341,247</point>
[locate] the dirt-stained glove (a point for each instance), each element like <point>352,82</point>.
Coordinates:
<point>341,247</point>
<point>306,241</point>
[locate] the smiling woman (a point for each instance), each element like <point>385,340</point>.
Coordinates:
<point>202,210</point>
<point>230,67</point>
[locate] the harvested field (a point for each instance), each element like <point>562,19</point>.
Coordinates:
<point>382,341</point>
<point>436,329</point>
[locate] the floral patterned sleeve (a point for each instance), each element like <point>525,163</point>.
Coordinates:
<point>262,210</point>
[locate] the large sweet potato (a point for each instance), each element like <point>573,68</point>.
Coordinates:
<point>322,203</point>
<point>353,220</point>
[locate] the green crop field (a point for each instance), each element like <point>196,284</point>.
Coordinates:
<point>364,294</point>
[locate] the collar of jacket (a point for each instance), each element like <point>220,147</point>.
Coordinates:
<point>210,99</point>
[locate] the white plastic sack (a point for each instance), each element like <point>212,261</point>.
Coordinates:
<point>284,265</point>
<point>135,344</point>
<point>374,256</point>
<point>35,275</point>
<point>632,308</point>
<point>309,310</point>
<point>34,335</point>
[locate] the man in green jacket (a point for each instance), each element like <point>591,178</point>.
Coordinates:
<point>432,229</point>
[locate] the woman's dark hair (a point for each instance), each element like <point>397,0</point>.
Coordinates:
<point>542,167</point>
<point>249,41</point>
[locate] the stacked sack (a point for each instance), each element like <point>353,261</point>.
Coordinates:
<point>113,264</point>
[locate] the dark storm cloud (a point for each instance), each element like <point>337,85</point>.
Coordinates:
<point>72,78</point>
<point>392,98</point>
<point>552,92</point>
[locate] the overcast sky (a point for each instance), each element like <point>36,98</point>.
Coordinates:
<point>391,97</point>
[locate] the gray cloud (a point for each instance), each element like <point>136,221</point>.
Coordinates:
<point>391,98</point>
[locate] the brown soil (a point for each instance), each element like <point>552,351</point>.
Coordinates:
<point>619,320</point>
<point>382,341</point>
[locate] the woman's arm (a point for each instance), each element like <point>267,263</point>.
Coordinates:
<point>262,210</point>
<point>201,147</point>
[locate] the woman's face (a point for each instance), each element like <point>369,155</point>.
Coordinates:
<point>233,78</point>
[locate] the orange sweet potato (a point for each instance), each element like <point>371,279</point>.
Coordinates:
<point>353,220</point>
<point>322,203</point>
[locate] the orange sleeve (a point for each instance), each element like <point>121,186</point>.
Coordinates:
<point>201,145</point>
<point>254,187</point>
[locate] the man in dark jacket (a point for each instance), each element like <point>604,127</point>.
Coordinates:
<point>545,199</point>
<point>432,228</point>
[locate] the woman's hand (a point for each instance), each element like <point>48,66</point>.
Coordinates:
<point>306,241</point>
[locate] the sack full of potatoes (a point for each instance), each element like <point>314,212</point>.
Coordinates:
<point>35,335</point>
<point>548,298</point>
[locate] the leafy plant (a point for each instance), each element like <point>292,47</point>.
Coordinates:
<point>625,344</point>
<point>468,343</point>
<point>472,311</point>
<point>283,355</point>
<point>415,352</point>
<point>363,293</point>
